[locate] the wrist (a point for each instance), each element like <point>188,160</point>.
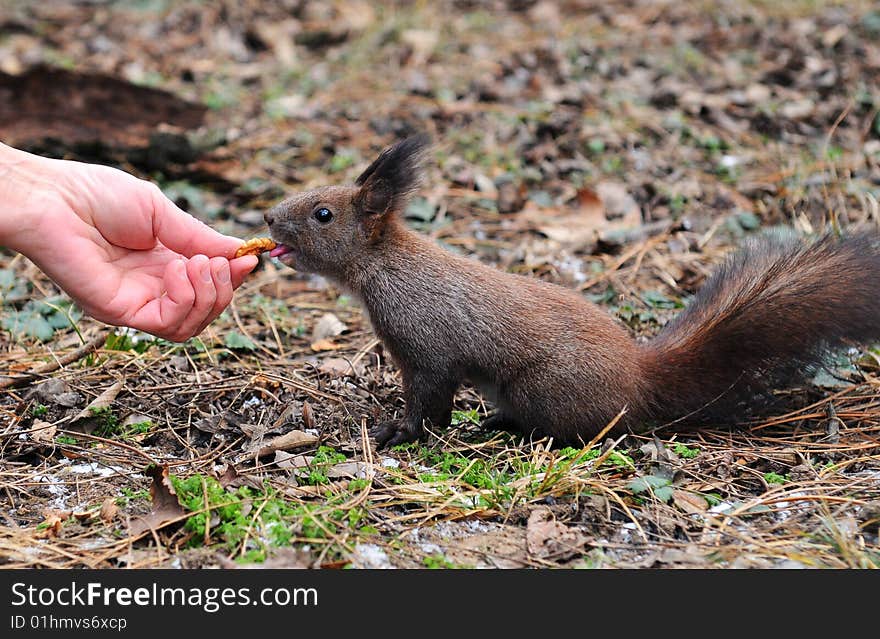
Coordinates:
<point>29,189</point>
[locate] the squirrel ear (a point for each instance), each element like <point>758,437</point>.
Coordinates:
<point>388,183</point>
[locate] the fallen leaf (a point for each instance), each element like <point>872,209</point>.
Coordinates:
<point>337,367</point>
<point>797,109</point>
<point>422,42</point>
<point>287,441</point>
<point>109,510</point>
<point>325,345</point>
<point>231,478</point>
<point>355,469</point>
<point>166,507</point>
<point>104,400</point>
<point>51,526</point>
<point>308,415</point>
<point>618,203</point>
<point>689,502</point>
<point>43,432</point>
<point>290,461</point>
<point>328,326</point>
<point>547,538</point>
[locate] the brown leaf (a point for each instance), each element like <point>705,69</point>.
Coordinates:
<point>355,469</point>
<point>287,441</point>
<point>337,367</point>
<point>43,432</point>
<point>579,229</point>
<point>590,204</point>
<point>109,510</point>
<point>325,345</point>
<point>547,538</point>
<point>308,415</point>
<point>689,502</point>
<point>230,478</point>
<point>51,526</point>
<point>166,507</point>
<point>104,400</point>
<point>618,203</point>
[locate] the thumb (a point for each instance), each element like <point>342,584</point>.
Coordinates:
<point>184,234</point>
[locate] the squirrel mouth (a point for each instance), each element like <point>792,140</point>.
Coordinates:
<point>280,251</point>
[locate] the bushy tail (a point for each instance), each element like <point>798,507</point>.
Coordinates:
<point>761,322</point>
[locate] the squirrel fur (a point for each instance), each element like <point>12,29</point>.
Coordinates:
<point>554,363</point>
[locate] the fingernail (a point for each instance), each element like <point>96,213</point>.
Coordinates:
<point>206,273</point>
<point>223,276</point>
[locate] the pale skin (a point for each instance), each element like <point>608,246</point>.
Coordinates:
<point>116,245</point>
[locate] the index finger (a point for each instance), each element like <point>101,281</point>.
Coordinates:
<point>184,234</point>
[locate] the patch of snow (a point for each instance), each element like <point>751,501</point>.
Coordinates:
<point>721,507</point>
<point>94,468</point>
<point>59,491</point>
<point>370,556</point>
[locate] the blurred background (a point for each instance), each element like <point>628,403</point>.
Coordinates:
<point>587,124</point>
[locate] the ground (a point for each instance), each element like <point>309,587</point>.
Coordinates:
<point>616,148</point>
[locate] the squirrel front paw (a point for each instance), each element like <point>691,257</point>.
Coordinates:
<point>392,433</point>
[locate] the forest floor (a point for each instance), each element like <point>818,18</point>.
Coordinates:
<point>617,148</point>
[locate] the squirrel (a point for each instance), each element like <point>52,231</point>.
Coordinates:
<point>554,363</point>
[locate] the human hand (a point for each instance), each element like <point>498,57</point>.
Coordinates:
<point>122,250</point>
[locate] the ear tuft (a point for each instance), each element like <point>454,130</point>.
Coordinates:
<point>393,177</point>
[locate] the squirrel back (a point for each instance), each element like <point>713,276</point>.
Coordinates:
<point>554,363</point>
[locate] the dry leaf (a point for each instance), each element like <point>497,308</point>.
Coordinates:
<point>308,415</point>
<point>230,478</point>
<point>618,203</point>
<point>109,510</point>
<point>166,507</point>
<point>51,526</point>
<point>43,432</point>
<point>422,42</point>
<point>287,441</point>
<point>546,537</point>
<point>355,469</point>
<point>328,326</point>
<point>325,345</point>
<point>337,367</point>
<point>689,502</point>
<point>104,400</point>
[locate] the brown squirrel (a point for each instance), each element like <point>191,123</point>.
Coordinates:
<point>554,363</point>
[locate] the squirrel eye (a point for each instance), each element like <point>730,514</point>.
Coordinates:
<point>323,215</point>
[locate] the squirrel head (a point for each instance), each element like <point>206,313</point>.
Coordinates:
<point>325,229</point>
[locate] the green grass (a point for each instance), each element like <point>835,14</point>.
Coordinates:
<point>250,522</point>
<point>109,425</point>
<point>684,452</point>
<point>775,478</point>
<point>502,481</point>
<point>324,459</point>
<point>438,562</point>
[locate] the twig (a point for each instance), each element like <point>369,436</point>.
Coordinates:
<point>89,347</point>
